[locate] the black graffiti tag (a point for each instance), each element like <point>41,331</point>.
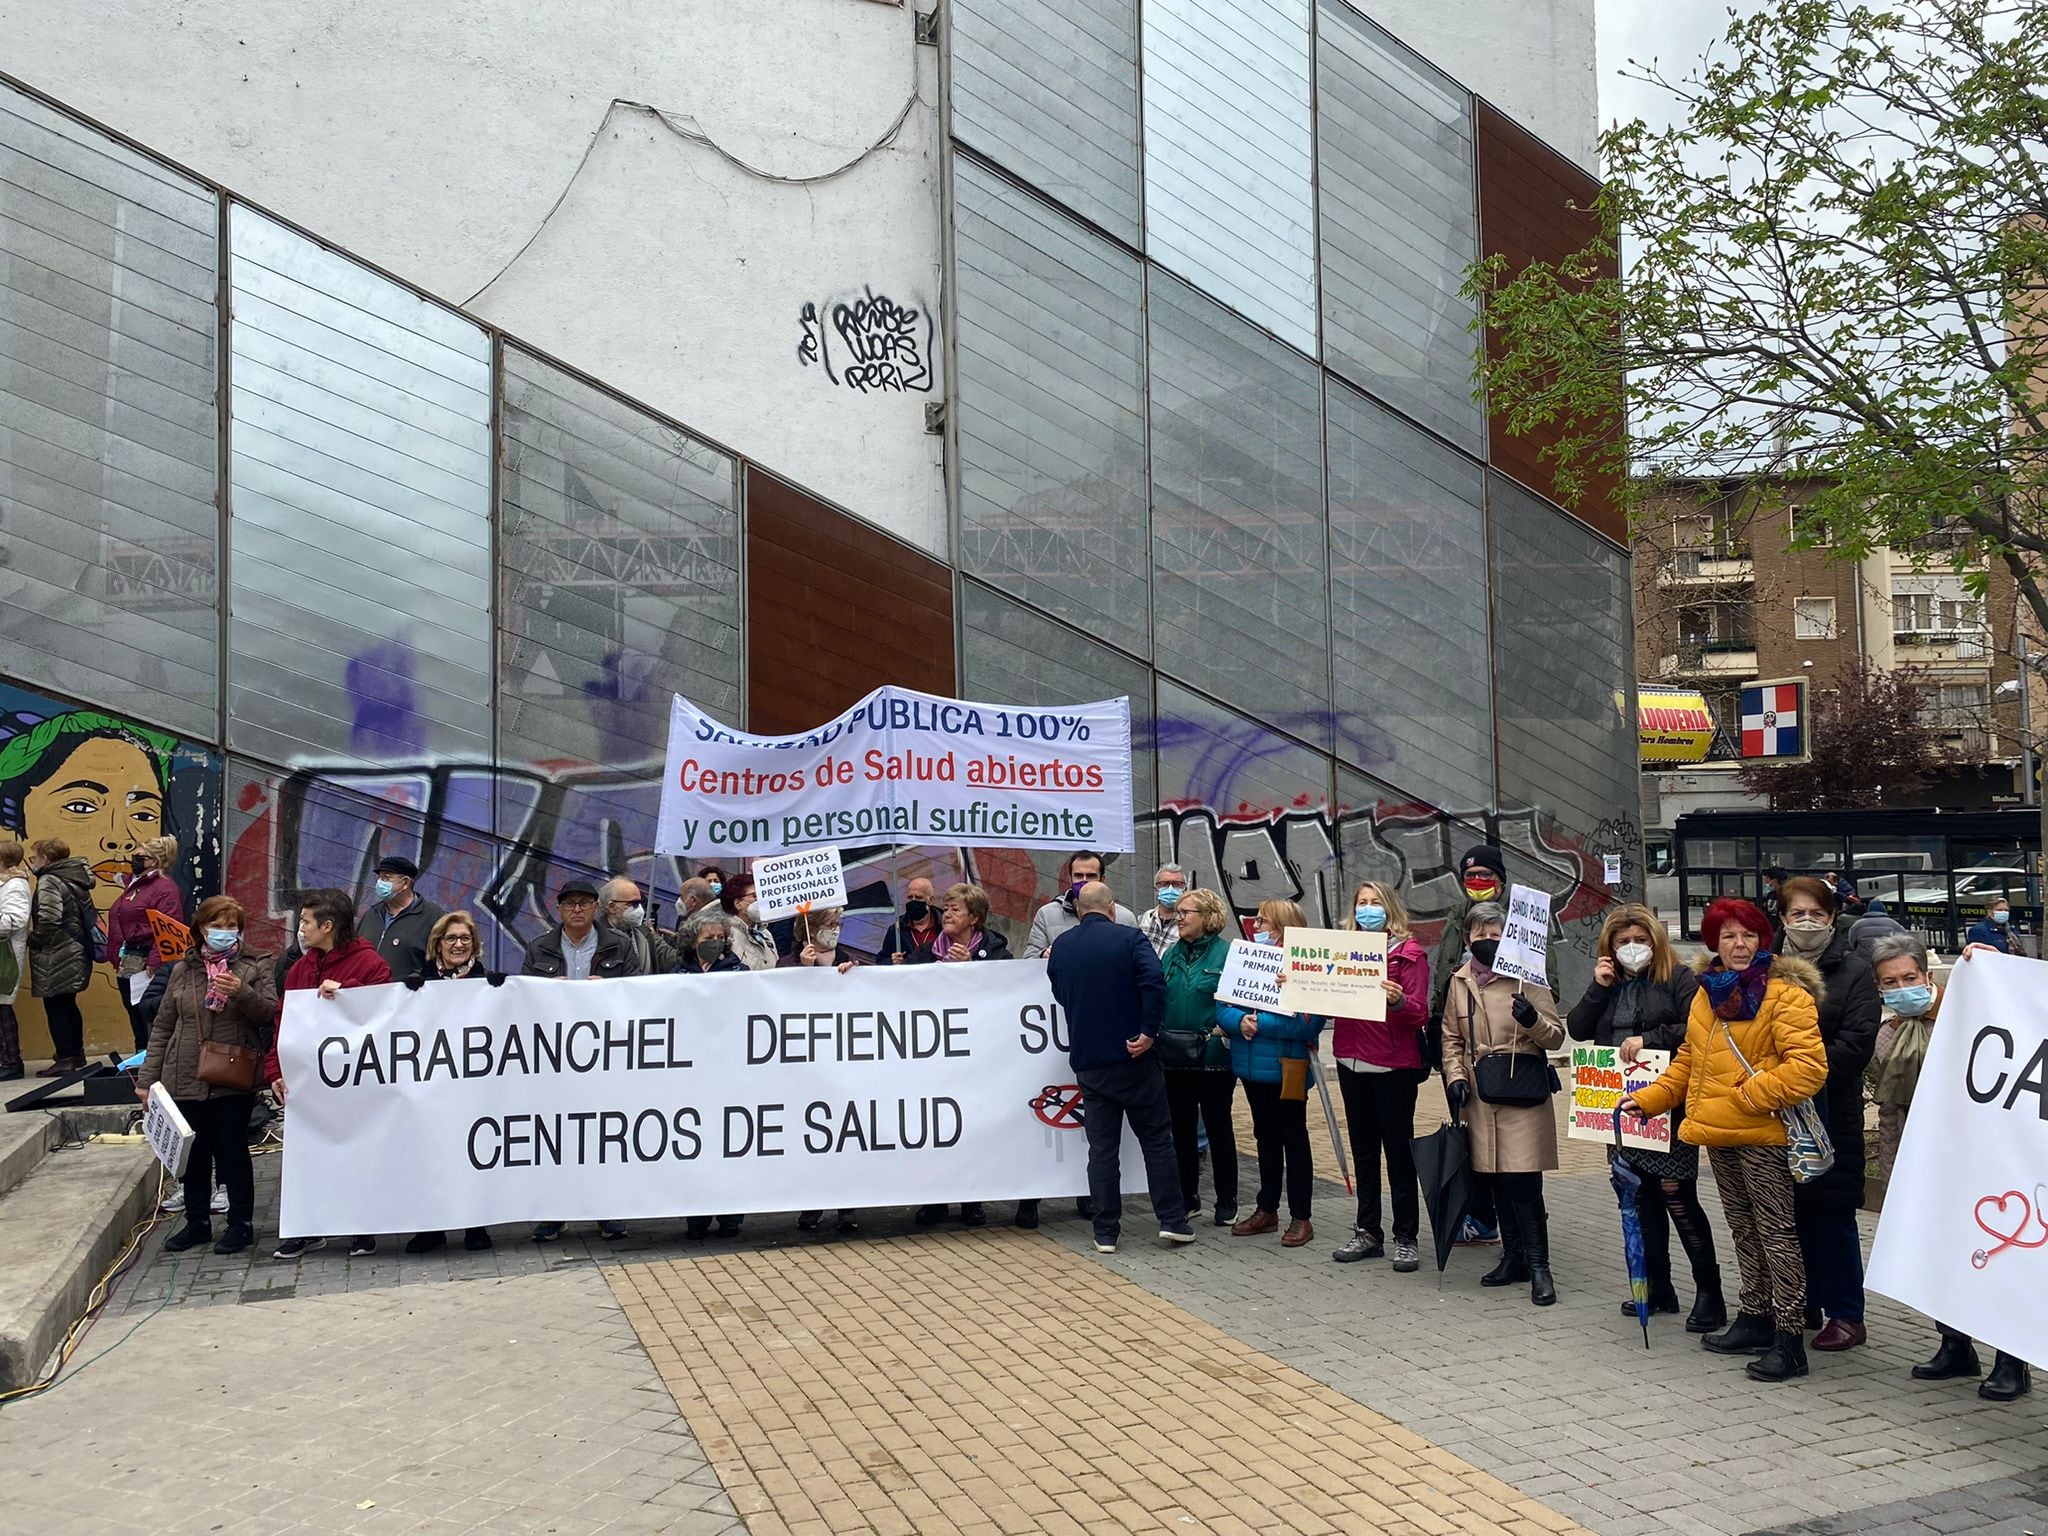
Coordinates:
<point>881,344</point>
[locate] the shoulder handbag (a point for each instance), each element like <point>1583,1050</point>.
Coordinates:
<point>233,1067</point>
<point>1809,1150</point>
<point>1179,1049</point>
<point>1509,1079</point>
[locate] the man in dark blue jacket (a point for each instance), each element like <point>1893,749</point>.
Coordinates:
<point>1108,981</point>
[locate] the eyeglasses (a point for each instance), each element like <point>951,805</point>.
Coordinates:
<point>458,938</point>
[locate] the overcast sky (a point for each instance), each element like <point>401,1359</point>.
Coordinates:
<point>1675,31</point>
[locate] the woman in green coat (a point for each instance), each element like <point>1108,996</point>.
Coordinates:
<point>1199,1081</point>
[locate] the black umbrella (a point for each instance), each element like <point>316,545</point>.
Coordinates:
<point>1443,1166</point>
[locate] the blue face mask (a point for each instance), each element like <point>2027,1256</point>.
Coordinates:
<point>717,887</point>
<point>384,890</point>
<point>1371,916</point>
<point>2001,917</point>
<point>1168,895</point>
<point>223,941</point>
<point>1909,1002</point>
<point>1262,936</point>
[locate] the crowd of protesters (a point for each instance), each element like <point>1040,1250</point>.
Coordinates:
<point>1805,995</point>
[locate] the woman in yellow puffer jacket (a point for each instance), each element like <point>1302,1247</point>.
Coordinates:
<point>1768,1010</point>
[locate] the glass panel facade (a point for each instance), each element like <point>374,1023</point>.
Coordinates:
<point>619,574</point>
<point>1408,598</point>
<point>1052,411</point>
<point>1230,155</point>
<point>1399,225</point>
<point>1238,535</point>
<point>1049,89</point>
<point>356,406</point>
<point>109,441</point>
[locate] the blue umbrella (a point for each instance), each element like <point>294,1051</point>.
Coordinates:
<point>1627,1184</point>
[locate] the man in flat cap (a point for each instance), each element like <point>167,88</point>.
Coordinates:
<point>399,923</point>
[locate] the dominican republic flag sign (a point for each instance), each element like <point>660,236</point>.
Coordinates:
<point>1774,720</point>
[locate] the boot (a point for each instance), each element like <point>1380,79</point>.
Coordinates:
<point>1662,1297</point>
<point>2010,1379</point>
<point>1534,1221</point>
<point>1785,1359</point>
<point>1750,1334</point>
<point>1513,1267</point>
<point>1709,1307</point>
<point>1956,1357</point>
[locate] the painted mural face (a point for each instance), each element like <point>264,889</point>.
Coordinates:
<point>104,800</point>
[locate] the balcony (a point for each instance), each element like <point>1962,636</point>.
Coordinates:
<point>1705,568</point>
<point>1925,646</point>
<point>1711,659</point>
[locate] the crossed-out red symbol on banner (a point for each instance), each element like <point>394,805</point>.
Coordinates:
<point>1059,1106</point>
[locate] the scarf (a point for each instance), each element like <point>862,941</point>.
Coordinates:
<point>217,966</point>
<point>944,945</point>
<point>1738,994</point>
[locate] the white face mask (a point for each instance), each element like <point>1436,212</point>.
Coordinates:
<point>825,938</point>
<point>1808,935</point>
<point>1634,957</point>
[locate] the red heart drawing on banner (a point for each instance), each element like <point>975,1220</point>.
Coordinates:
<point>2002,1208</point>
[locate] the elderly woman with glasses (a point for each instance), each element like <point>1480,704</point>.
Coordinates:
<point>454,953</point>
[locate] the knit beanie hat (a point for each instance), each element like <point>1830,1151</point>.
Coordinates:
<point>1487,856</point>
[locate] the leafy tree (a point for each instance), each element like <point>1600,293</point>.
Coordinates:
<point>1834,268</point>
<point>1870,747</point>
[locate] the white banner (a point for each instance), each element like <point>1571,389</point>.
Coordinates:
<point>1964,1232</point>
<point>1525,939</point>
<point>902,767</point>
<point>660,1096</point>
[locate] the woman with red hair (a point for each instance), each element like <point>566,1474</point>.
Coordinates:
<point>1752,1049</point>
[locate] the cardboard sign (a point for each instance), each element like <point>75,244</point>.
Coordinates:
<point>1251,976</point>
<point>797,882</point>
<point>170,1138</point>
<point>1599,1079</point>
<point>1526,938</point>
<point>1337,972</point>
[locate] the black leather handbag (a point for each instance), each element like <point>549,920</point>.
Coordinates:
<point>1514,1079</point>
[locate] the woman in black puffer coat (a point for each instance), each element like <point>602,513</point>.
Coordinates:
<point>1639,1000</point>
<point>1825,1210</point>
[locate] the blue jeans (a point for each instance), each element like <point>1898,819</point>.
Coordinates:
<point>1108,1094</point>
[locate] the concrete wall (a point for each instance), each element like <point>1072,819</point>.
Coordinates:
<point>435,140</point>
<point>1534,59</point>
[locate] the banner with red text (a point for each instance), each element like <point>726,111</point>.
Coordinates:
<point>905,767</point>
<point>665,1096</point>
<point>1964,1231</point>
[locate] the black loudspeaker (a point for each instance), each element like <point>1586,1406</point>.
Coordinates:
<point>99,1082</point>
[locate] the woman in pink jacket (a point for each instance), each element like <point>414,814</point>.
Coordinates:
<point>132,945</point>
<point>1379,1067</point>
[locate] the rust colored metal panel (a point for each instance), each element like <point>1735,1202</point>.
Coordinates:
<point>1535,205</point>
<point>835,608</point>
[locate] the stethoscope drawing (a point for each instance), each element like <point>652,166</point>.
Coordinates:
<point>2019,1237</point>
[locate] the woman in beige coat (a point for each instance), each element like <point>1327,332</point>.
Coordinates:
<point>1513,1145</point>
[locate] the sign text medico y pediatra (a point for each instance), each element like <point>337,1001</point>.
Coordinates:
<point>905,767</point>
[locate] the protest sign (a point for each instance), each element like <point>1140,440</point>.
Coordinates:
<point>665,1096</point>
<point>1251,976</point>
<point>1334,971</point>
<point>902,767</point>
<point>173,939</point>
<point>1610,868</point>
<point>1964,1232</point>
<point>1599,1079</point>
<point>1526,937</point>
<point>167,1132</point>
<point>797,882</point>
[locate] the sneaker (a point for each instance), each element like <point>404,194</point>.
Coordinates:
<point>238,1238</point>
<point>807,1221</point>
<point>219,1206</point>
<point>611,1231</point>
<point>191,1235</point>
<point>1476,1231</point>
<point>1105,1246</point>
<point>1226,1214</point>
<point>1179,1232</point>
<point>847,1223</point>
<point>972,1215</point>
<point>175,1205</point>
<point>1363,1245</point>
<point>293,1247</point>
<point>361,1247</point>
<point>547,1231</point>
<point>1407,1258</point>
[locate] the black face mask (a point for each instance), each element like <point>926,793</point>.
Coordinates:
<point>917,911</point>
<point>137,865</point>
<point>1483,950</point>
